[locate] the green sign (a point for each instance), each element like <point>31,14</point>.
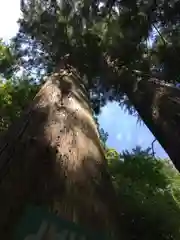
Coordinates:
<point>38,224</point>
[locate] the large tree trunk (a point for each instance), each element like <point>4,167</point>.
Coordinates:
<point>159,107</point>
<point>157,104</point>
<point>52,156</point>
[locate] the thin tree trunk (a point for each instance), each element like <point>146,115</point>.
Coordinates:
<point>52,156</point>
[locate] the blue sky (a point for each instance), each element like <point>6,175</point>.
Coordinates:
<point>124,132</point>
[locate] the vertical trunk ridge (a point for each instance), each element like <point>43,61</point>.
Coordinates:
<point>52,156</point>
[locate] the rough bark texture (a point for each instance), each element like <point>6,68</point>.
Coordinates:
<point>159,107</point>
<point>52,156</point>
<point>157,104</point>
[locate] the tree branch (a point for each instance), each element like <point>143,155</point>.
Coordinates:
<point>159,33</point>
<point>152,147</point>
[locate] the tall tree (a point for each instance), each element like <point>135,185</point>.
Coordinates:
<point>52,156</point>
<point>108,43</point>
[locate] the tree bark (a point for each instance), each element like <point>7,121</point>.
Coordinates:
<point>159,107</point>
<point>157,104</point>
<point>52,156</point>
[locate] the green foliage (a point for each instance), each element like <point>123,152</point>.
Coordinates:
<point>148,188</point>
<point>7,59</point>
<point>149,195</point>
<point>88,31</point>
<point>15,92</point>
<point>103,135</point>
<point>15,95</point>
